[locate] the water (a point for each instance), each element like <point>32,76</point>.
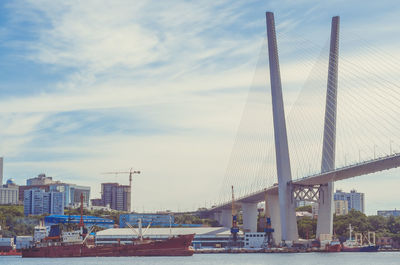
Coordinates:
<point>387,258</point>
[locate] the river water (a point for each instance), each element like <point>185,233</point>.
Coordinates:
<point>387,258</point>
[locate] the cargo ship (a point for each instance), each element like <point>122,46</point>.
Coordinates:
<point>78,244</point>
<point>174,246</point>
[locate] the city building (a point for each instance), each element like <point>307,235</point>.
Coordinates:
<point>75,219</point>
<point>387,213</point>
<point>115,196</point>
<point>9,191</point>
<point>72,194</point>
<point>96,202</point>
<point>41,179</point>
<point>355,200</point>
<point>341,207</point>
<point>38,201</point>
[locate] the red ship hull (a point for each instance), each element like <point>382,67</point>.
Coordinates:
<point>176,246</point>
<point>10,253</point>
<point>333,248</point>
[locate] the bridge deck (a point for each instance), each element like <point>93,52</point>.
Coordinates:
<point>359,169</point>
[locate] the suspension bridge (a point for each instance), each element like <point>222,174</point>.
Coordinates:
<point>262,171</point>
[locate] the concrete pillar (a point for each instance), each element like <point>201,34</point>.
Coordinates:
<point>217,216</point>
<point>287,208</point>
<point>273,207</point>
<point>226,218</point>
<point>326,206</point>
<point>250,216</point>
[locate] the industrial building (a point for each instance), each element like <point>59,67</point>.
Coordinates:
<point>205,237</point>
<point>74,219</point>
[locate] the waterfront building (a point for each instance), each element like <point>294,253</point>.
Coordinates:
<point>341,207</point>
<point>387,213</point>
<point>354,199</point>
<point>38,201</point>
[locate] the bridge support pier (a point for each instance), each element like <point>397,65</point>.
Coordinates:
<point>272,203</point>
<point>250,216</point>
<point>225,218</point>
<point>325,210</point>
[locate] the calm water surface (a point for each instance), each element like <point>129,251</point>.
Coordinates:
<point>387,258</point>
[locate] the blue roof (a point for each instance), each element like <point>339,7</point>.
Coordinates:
<point>76,218</point>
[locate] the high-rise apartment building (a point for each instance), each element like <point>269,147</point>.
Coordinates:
<point>355,200</point>
<point>38,201</point>
<point>115,196</point>
<point>341,207</point>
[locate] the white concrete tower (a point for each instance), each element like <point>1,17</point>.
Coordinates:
<point>286,204</point>
<point>326,206</point>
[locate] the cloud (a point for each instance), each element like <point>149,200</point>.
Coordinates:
<point>162,86</point>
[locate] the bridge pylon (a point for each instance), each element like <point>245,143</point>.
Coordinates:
<point>325,202</point>
<point>287,214</point>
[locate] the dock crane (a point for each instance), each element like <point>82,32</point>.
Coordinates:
<point>234,228</point>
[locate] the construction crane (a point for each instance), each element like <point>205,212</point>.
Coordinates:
<point>130,172</point>
<point>234,228</point>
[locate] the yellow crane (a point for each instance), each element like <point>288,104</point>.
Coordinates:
<point>234,228</point>
<point>130,172</point>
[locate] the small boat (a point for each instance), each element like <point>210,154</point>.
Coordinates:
<point>333,246</point>
<point>356,246</point>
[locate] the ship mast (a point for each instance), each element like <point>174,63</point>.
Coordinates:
<point>81,224</point>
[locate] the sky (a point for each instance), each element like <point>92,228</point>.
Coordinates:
<point>88,87</point>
